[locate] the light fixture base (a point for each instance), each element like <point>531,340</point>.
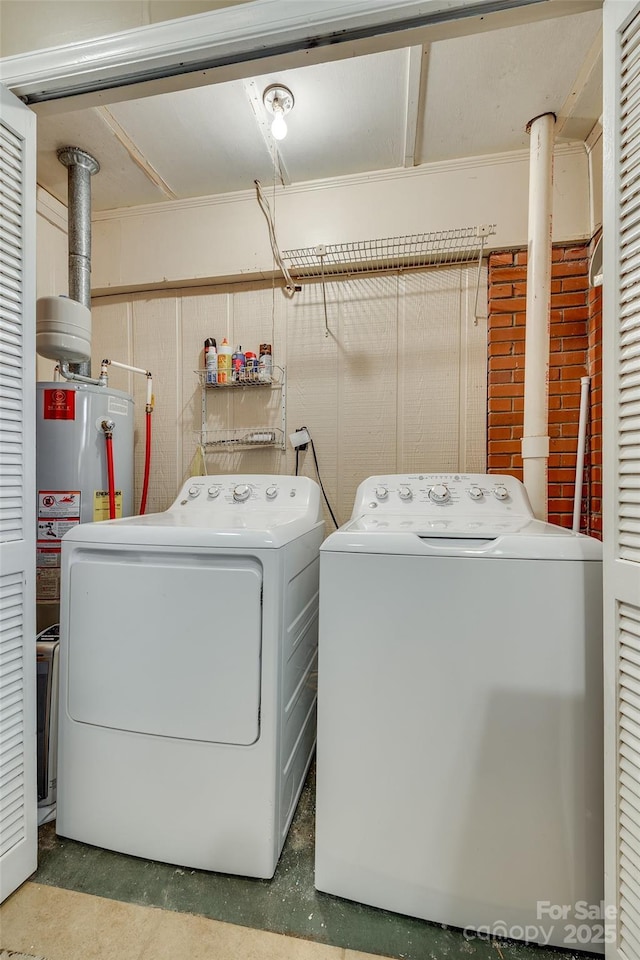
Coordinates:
<point>278,98</point>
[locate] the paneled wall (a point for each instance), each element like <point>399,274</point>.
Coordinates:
<point>223,238</point>
<point>392,379</point>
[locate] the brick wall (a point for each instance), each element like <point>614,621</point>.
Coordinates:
<point>574,352</point>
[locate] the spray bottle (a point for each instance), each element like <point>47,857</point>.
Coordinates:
<point>238,365</point>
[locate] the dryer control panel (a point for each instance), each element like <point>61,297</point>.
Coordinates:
<point>250,492</point>
<point>444,495</point>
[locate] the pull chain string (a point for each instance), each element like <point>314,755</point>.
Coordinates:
<point>273,274</point>
<point>324,298</point>
<point>290,287</point>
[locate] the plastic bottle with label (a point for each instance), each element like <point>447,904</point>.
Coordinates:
<point>224,362</point>
<point>211,363</point>
<point>265,363</point>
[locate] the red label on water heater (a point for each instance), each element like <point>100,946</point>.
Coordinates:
<point>59,404</point>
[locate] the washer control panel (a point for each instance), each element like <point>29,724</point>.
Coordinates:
<point>443,495</point>
<point>250,492</point>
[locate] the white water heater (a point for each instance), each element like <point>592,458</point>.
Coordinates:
<point>71,466</point>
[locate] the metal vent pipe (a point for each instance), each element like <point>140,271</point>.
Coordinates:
<point>80,166</point>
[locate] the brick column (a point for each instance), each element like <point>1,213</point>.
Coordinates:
<point>575,342</point>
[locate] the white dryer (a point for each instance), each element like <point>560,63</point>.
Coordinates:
<point>459,762</point>
<point>188,674</point>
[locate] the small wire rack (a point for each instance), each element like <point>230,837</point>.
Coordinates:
<point>243,438</point>
<point>439,247</point>
<point>230,439</point>
<point>244,379</point>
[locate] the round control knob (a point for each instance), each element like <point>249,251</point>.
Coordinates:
<point>381,493</point>
<point>241,492</point>
<point>271,493</point>
<point>193,491</point>
<point>475,493</point>
<point>439,493</point>
<point>500,492</point>
<point>213,491</point>
<point>405,493</point>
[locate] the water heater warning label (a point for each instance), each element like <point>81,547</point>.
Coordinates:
<point>58,511</point>
<point>55,504</point>
<point>59,404</point>
<point>115,405</point>
<point>49,530</point>
<point>48,583</point>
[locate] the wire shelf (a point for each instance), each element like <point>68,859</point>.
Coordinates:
<point>460,245</point>
<point>243,438</point>
<point>246,379</point>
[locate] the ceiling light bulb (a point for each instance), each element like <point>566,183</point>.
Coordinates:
<point>278,101</point>
<point>279,126</point>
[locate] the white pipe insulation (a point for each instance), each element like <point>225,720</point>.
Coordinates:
<point>127,366</point>
<point>535,441</point>
<point>582,441</point>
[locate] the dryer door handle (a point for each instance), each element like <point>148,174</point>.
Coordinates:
<point>458,545</point>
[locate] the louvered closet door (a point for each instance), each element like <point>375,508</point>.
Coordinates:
<point>18,797</point>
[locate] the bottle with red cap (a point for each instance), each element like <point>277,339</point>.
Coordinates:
<point>251,370</point>
<point>238,366</point>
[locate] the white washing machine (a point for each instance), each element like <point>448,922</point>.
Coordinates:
<point>188,674</point>
<point>459,763</point>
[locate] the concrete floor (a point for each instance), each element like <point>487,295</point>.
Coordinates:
<point>288,904</point>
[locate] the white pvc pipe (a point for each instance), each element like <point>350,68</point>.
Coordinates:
<point>535,441</point>
<point>145,373</point>
<point>582,438</point>
<point>127,366</point>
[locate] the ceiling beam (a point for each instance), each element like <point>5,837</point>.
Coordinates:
<point>418,60</point>
<point>240,41</point>
<point>591,62</point>
<point>135,154</point>
<point>254,96</point>
<point>594,135</point>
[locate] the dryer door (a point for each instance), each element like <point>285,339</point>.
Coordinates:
<point>165,643</point>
